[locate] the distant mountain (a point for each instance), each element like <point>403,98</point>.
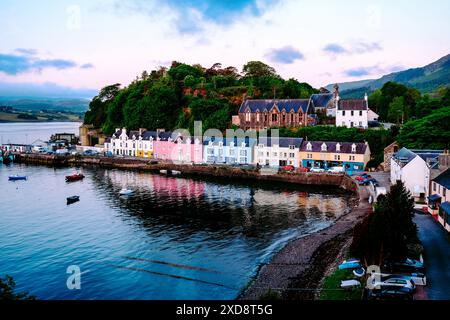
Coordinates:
<point>37,104</point>
<point>426,79</point>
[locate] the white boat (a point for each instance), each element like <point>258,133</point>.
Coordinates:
<point>163,171</point>
<point>176,172</point>
<point>125,192</point>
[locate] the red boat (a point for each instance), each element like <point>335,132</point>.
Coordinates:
<point>75,177</point>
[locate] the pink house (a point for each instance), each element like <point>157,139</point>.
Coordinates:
<point>181,149</point>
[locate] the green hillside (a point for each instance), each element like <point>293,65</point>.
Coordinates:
<point>425,79</point>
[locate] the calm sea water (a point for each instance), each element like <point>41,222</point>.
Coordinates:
<point>175,238</point>
<point>28,132</point>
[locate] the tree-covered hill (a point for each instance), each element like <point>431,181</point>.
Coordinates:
<point>175,97</point>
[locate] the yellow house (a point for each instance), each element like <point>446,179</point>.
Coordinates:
<point>325,154</point>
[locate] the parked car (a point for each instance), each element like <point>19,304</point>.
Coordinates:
<point>392,280</point>
<point>409,265</point>
<point>363,176</point>
<point>288,168</point>
<point>336,170</point>
<point>391,293</point>
<point>303,169</point>
<point>364,182</point>
<point>317,169</point>
<point>90,153</point>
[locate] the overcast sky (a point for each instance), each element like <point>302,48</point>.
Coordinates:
<point>89,44</point>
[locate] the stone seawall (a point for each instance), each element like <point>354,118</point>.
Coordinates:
<point>217,171</point>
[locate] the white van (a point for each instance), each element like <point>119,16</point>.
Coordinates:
<point>336,170</point>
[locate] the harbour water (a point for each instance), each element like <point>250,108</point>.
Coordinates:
<point>174,238</point>
<point>28,132</point>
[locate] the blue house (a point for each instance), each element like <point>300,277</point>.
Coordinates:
<point>228,151</point>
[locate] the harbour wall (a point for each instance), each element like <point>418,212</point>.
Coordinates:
<point>216,171</point>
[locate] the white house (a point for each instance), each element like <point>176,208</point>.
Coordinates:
<point>413,167</point>
<point>278,152</point>
<point>352,112</point>
<point>137,143</point>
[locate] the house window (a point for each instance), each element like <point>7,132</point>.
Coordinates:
<point>274,117</point>
<point>265,118</point>
<point>360,113</point>
<point>275,154</point>
<point>231,152</point>
<point>434,186</point>
<point>292,147</point>
<point>360,124</point>
<point>337,157</point>
<point>292,117</point>
<point>247,116</point>
<point>444,191</point>
<point>343,113</point>
<point>257,117</point>
<point>352,113</point>
<point>291,155</point>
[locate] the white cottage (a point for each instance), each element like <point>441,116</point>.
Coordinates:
<point>352,113</point>
<point>413,168</point>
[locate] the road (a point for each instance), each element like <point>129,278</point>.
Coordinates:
<point>436,243</point>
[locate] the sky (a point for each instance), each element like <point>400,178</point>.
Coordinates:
<point>78,47</point>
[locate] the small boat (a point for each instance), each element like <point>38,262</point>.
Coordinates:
<point>163,171</point>
<point>17,177</point>
<point>72,199</point>
<point>125,192</point>
<point>176,172</point>
<point>75,177</point>
<point>359,272</point>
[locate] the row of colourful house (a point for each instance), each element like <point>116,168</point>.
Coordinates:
<point>426,174</point>
<point>273,152</point>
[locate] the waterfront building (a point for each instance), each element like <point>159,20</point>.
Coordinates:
<point>352,113</point>
<point>276,152</point>
<point>177,149</point>
<point>414,168</point>
<point>439,199</point>
<point>16,147</point>
<point>228,151</point>
<point>352,156</point>
<point>138,143</point>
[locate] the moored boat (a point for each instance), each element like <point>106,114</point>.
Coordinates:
<point>73,199</point>
<point>75,177</point>
<point>17,177</point>
<point>163,171</point>
<point>125,192</point>
<point>176,172</point>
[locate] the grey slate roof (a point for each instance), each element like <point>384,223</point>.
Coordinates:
<point>288,105</point>
<point>405,156</point>
<point>320,100</point>
<point>346,147</point>
<point>249,142</point>
<point>281,141</point>
<point>352,104</point>
<point>443,179</point>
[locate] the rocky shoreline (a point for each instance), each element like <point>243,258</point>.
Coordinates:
<point>297,270</point>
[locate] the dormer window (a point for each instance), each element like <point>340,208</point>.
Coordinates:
<point>353,147</point>
<point>309,146</point>
<point>291,147</point>
<point>338,147</point>
<point>323,147</point>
